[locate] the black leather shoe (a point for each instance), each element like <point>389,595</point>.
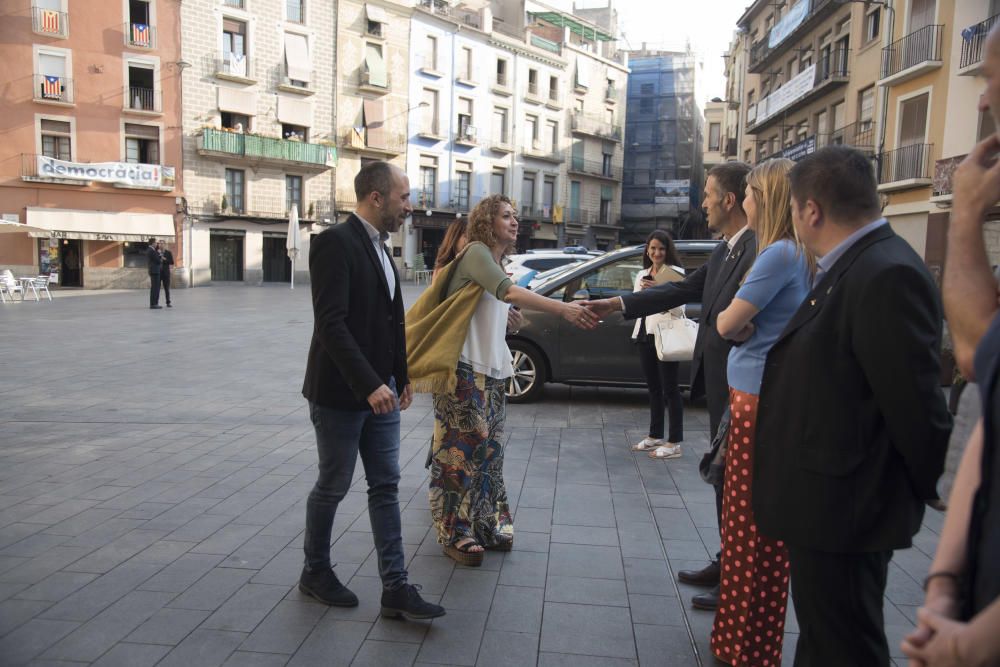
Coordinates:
<point>325,587</point>
<point>406,601</point>
<point>156,307</point>
<point>706,576</point>
<point>708,600</point>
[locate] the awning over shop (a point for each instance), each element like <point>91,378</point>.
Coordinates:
<point>99,225</point>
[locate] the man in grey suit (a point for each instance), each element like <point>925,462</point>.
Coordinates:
<point>714,284</point>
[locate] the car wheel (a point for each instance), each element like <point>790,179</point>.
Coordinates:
<point>529,373</point>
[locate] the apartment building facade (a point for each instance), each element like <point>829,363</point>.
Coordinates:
<point>712,142</point>
<point>735,71</point>
<point>92,116</point>
<point>663,136</point>
<point>372,95</point>
<point>812,77</point>
<point>258,133</point>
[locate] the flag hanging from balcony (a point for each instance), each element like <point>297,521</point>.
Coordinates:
<point>50,20</point>
<point>51,88</point>
<point>140,34</point>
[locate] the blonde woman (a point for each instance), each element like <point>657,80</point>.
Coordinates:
<point>750,619</point>
<point>457,350</point>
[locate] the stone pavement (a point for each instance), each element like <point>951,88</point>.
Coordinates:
<point>153,473</point>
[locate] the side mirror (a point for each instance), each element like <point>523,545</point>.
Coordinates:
<point>581,295</point>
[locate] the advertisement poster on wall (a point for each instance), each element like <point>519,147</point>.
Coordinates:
<point>673,192</point>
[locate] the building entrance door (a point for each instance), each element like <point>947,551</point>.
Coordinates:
<point>277,266</point>
<point>227,257</point>
<point>71,263</point>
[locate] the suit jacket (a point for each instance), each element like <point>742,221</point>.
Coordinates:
<point>154,259</point>
<point>714,284</point>
<point>168,261</point>
<point>853,427</point>
<point>358,341</point>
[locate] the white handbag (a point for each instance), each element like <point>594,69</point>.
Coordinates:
<point>674,338</point>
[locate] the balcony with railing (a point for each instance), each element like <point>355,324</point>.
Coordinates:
<point>264,150</point>
<point>540,213</point>
<point>973,46</point>
<point>906,167</point>
<point>595,126</point>
<point>579,216</point>
<point>139,35</point>
<point>818,79</point>
<point>538,150</point>
<point>266,208</point>
<point>235,67</point>
<point>370,83</point>
<point>596,168</point>
<point>860,135</point>
<point>458,14</point>
<point>499,143</point>
<point>53,89</point>
<point>913,55</point>
<point>466,135</point>
<point>376,143</point>
<point>144,99</point>
<point>49,22</point>
<point>763,54</point>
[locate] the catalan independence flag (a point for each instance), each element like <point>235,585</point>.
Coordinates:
<point>51,87</point>
<point>140,34</point>
<point>50,21</point>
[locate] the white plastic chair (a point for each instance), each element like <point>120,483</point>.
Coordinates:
<point>10,284</point>
<point>41,284</point>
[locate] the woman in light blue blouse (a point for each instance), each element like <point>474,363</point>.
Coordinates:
<point>750,619</point>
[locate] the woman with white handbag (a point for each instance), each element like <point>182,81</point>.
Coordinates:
<point>660,263</point>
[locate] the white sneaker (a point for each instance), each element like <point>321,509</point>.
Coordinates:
<point>646,444</point>
<point>666,451</point>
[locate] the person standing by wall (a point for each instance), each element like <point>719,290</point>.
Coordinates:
<point>155,265</point>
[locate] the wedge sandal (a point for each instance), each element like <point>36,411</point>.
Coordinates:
<point>462,554</point>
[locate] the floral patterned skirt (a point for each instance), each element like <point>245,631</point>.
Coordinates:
<point>753,589</point>
<point>467,494</point>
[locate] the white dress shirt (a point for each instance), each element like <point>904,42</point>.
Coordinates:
<point>382,253</point>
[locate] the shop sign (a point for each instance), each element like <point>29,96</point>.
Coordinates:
<point>798,151</point>
<point>120,173</point>
<point>788,23</point>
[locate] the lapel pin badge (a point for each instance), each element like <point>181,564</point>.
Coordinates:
<point>812,302</point>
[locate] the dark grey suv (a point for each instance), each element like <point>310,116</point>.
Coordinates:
<point>549,349</point>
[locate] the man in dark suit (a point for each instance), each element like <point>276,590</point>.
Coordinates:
<point>155,265</point>
<point>853,426</point>
<point>168,262</point>
<point>714,284</point>
<point>356,383</point>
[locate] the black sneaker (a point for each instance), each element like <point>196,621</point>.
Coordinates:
<point>406,601</point>
<point>325,587</point>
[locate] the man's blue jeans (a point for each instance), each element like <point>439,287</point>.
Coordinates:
<point>340,436</point>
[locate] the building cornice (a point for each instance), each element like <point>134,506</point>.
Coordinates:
<point>602,59</point>
<point>522,49</point>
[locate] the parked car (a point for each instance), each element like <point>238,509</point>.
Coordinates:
<point>549,349</point>
<point>521,268</point>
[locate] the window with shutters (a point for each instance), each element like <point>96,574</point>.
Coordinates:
<point>142,144</point>
<point>235,189</point>
<point>866,108</point>
<point>295,11</point>
<point>428,182</point>
<point>57,139</point>
<point>498,181</point>
<point>463,184</point>
<point>527,193</point>
<point>293,194</point>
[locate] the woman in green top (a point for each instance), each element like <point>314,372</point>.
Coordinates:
<point>467,494</point>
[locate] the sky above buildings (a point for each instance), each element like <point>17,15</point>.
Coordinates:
<point>708,25</point>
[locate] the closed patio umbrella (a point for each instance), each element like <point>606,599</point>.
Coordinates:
<point>292,242</point>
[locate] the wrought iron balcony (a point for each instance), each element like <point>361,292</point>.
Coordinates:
<point>367,142</point>
<point>973,43</point>
<point>258,149</point>
<point>139,35</point>
<point>596,168</point>
<point>538,151</point>
<point>272,208</point>
<point>49,22</point>
<point>235,66</point>
<point>466,136</point>
<point>595,126</point>
<point>53,89</point>
<point>444,8</point>
<point>762,54</point>
<point>144,99</point>
<point>857,135</point>
<point>501,144</point>
<point>912,55</point>
<point>909,166</point>
<point>829,71</point>
<point>579,216</point>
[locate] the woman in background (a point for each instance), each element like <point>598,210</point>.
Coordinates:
<point>455,239</point>
<point>660,262</point>
<point>750,619</point>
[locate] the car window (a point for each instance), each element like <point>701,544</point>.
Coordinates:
<point>612,279</point>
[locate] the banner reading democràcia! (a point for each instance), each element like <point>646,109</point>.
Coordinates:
<point>121,173</point>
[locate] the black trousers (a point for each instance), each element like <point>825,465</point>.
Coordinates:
<point>838,603</point>
<point>154,289</point>
<point>165,281</point>
<point>661,378</point>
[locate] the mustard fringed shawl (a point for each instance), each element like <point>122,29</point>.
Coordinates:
<point>436,327</point>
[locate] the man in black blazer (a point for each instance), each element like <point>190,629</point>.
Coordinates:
<point>356,384</point>
<point>154,264</point>
<point>852,426</point>
<point>168,262</point>
<point>714,284</point>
